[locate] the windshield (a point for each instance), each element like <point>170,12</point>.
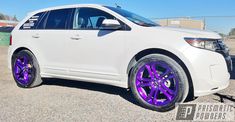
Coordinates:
<point>133,17</point>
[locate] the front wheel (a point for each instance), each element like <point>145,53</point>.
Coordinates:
<point>158,82</point>
<point>25,69</point>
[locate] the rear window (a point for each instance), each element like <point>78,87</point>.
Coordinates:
<point>58,19</point>
<point>32,21</point>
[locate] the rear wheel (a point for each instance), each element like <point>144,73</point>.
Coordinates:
<point>158,82</point>
<point>25,69</point>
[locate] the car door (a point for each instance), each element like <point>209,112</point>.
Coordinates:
<point>51,40</point>
<point>95,53</point>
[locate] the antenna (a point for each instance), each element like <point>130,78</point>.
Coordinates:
<point>117,6</point>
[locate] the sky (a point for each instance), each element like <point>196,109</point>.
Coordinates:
<point>146,8</point>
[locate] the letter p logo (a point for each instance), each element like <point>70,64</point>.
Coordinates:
<point>186,112</point>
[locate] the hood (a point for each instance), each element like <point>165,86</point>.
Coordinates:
<point>195,33</point>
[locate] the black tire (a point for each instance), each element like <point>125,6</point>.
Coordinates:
<point>183,86</point>
<point>35,78</point>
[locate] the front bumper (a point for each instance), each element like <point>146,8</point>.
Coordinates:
<point>209,70</point>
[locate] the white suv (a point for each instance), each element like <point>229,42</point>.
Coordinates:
<point>109,45</point>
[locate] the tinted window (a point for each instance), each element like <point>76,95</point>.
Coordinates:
<point>57,19</point>
<point>32,21</point>
<point>139,20</point>
<point>42,22</point>
<point>89,18</point>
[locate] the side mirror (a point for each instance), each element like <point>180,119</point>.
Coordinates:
<point>110,24</point>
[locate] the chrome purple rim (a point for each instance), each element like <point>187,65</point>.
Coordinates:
<point>23,70</point>
<point>157,83</point>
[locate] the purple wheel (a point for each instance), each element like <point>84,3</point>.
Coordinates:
<point>25,69</point>
<point>158,82</point>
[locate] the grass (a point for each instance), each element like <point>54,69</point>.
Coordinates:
<point>4,38</point>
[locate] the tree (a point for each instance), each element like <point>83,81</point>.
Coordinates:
<point>14,18</point>
<point>222,35</point>
<point>7,17</point>
<point>232,32</point>
<point>2,17</point>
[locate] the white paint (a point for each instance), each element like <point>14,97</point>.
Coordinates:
<point>105,59</point>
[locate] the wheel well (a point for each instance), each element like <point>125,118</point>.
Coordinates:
<point>143,53</point>
<point>18,50</point>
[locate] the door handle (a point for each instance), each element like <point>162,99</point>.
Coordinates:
<point>76,37</point>
<point>36,36</point>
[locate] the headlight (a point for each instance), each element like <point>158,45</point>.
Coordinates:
<point>209,44</point>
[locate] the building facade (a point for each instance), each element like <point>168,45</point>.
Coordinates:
<point>183,23</point>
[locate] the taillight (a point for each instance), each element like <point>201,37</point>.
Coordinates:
<point>10,43</point>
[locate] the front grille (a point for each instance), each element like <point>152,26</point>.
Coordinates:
<point>224,50</point>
